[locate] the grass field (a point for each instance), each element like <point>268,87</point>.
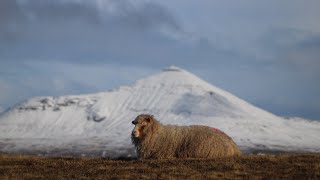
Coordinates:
<point>297,166</point>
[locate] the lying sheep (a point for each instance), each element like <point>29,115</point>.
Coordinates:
<point>156,141</point>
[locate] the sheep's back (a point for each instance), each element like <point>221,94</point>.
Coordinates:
<point>194,142</point>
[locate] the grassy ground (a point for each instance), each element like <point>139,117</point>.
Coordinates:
<point>244,167</point>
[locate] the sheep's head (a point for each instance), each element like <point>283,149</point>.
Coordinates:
<point>142,125</point>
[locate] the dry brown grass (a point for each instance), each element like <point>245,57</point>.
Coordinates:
<point>297,166</point>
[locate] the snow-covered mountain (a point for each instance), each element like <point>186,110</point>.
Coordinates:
<point>100,123</point>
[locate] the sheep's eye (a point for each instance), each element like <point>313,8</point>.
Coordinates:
<point>144,123</point>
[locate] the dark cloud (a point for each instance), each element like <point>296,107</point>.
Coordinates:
<point>306,53</point>
<point>80,31</point>
<point>27,24</point>
<point>9,11</point>
<point>31,11</point>
<point>145,16</point>
<point>83,32</point>
<point>293,49</point>
<point>10,16</point>
<point>60,10</point>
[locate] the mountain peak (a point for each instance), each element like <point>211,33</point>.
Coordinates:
<point>172,68</point>
<point>174,76</point>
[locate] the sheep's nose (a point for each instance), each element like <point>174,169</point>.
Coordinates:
<point>132,122</point>
<point>135,133</point>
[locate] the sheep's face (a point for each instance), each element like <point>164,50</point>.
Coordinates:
<point>141,123</point>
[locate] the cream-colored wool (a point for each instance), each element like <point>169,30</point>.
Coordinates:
<point>157,141</point>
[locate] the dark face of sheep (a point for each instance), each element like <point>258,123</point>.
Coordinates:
<point>141,124</point>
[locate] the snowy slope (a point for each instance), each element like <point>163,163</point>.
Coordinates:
<point>100,123</point>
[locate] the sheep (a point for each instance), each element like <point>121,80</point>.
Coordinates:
<point>153,140</point>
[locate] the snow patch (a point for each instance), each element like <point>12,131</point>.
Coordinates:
<point>208,104</point>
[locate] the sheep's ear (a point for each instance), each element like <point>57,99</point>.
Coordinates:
<point>148,119</point>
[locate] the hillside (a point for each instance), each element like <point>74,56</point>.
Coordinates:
<point>99,124</point>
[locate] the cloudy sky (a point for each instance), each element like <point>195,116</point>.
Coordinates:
<point>266,52</point>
